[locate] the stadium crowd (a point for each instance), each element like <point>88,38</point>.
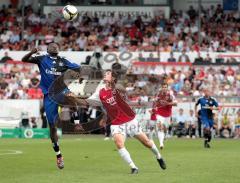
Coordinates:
<point>219,31</point>
<point>20,81</point>
<point>224,81</point>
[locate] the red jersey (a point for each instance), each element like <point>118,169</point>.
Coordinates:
<point>153,117</point>
<point>161,109</point>
<point>115,105</point>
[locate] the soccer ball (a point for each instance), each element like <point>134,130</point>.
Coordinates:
<point>69,12</point>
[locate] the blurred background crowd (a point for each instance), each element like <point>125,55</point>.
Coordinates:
<point>219,31</point>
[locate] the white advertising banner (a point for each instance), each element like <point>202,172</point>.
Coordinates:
<point>116,10</point>
<point>126,58</point>
<point>16,108</point>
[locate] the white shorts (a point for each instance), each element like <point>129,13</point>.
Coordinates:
<point>152,123</point>
<point>164,120</point>
<point>130,128</point>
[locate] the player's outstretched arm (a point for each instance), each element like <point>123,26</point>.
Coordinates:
<point>27,57</point>
<point>75,101</point>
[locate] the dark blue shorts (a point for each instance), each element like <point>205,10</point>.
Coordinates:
<point>207,122</point>
<point>51,109</point>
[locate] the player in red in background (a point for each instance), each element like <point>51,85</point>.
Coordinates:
<point>162,107</point>
<point>123,119</point>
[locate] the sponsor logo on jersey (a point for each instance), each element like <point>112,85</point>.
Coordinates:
<point>53,71</point>
<point>111,101</point>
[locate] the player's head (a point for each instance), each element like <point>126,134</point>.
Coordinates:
<point>53,49</point>
<point>181,111</point>
<point>164,87</point>
<point>206,92</point>
<point>110,77</point>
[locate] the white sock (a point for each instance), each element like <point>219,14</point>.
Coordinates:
<point>126,157</point>
<point>160,137</point>
<point>156,151</point>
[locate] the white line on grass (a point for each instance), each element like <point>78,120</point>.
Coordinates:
<point>10,152</point>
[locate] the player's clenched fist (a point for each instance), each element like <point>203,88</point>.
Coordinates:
<point>34,50</point>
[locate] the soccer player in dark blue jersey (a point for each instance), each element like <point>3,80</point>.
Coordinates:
<point>208,104</point>
<point>51,66</point>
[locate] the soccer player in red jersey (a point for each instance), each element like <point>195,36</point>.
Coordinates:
<point>123,118</point>
<point>162,107</point>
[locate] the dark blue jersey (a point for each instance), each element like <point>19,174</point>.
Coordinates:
<point>50,68</point>
<point>204,103</point>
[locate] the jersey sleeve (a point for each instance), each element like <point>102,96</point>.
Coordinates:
<point>71,65</point>
<point>94,99</point>
<point>34,60</point>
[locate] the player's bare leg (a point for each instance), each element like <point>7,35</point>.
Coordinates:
<point>119,140</point>
<point>54,139</point>
<point>142,137</point>
<point>160,134</point>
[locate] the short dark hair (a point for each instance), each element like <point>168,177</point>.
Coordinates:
<point>114,74</point>
<point>164,83</point>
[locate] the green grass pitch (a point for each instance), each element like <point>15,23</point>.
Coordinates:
<point>89,159</point>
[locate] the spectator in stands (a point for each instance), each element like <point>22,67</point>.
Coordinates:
<point>151,58</point>
<point>25,120</point>
<point>207,59</point>
<point>225,130</point>
<point>230,71</point>
<point>180,120</point>
<point>191,124</point>
<point>15,69</point>
<point>171,58</point>
<point>183,57</point>
<point>96,61</point>
<point>33,122</point>
<point>177,85</point>
<point>199,58</point>
<point>141,58</point>
<point>192,12</point>
<point>5,58</point>
<point>33,91</point>
<point>187,88</point>
<point>82,42</point>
